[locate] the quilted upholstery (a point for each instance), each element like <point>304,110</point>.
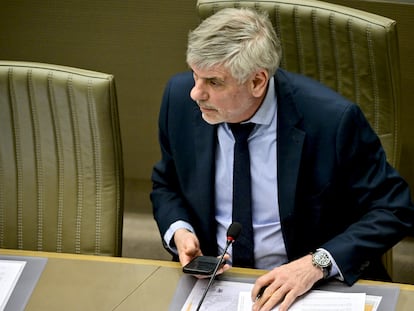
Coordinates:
<point>352,51</point>
<point>61,174</point>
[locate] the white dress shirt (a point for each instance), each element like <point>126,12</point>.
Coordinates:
<point>269,248</point>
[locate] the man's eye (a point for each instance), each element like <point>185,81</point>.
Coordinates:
<point>215,82</point>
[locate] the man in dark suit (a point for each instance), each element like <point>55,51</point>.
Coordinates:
<point>325,202</point>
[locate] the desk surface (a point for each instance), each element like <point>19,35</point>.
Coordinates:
<point>82,282</point>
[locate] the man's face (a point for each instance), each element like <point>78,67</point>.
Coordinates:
<point>221,98</point>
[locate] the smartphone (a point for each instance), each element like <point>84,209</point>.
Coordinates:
<point>202,265</point>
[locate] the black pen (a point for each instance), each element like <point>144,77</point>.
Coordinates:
<point>260,293</point>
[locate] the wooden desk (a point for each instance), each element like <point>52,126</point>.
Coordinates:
<point>81,282</point>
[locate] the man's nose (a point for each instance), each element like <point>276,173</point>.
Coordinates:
<point>198,92</point>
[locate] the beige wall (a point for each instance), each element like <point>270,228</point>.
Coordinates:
<point>142,42</point>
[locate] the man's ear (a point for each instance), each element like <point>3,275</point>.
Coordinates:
<point>259,83</point>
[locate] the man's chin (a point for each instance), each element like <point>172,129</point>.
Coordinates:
<point>210,120</point>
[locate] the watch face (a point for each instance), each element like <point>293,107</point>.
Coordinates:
<point>322,259</point>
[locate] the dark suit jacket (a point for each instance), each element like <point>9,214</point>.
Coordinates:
<point>336,189</point>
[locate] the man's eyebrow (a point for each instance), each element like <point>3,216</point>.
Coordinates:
<point>208,79</point>
<point>217,79</point>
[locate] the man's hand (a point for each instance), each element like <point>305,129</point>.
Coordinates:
<point>187,245</point>
<point>285,284</point>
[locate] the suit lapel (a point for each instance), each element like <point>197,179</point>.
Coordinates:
<point>205,148</point>
<point>290,142</point>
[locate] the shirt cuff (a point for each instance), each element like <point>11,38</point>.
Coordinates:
<point>169,234</point>
<point>335,272</point>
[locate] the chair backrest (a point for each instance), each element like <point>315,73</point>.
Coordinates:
<point>61,173</point>
<point>352,51</point>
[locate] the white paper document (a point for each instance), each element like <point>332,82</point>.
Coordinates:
<point>316,301</point>
<point>222,295</point>
<point>236,296</point>
<point>10,271</point>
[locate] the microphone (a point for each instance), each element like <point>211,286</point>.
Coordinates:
<point>233,233</point>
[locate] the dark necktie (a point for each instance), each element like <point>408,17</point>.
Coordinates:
<point>243,247</point>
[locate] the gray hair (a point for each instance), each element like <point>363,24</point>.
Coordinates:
<point>242,40</point>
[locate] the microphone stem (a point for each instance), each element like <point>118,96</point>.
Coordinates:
<point>213,275</point>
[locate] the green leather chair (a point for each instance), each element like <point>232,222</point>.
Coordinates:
<point>61,173</point>
<point>353,52</point>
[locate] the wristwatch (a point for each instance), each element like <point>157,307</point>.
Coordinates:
<point>321,260</point>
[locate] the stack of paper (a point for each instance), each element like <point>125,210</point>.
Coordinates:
<point>228,296</point>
